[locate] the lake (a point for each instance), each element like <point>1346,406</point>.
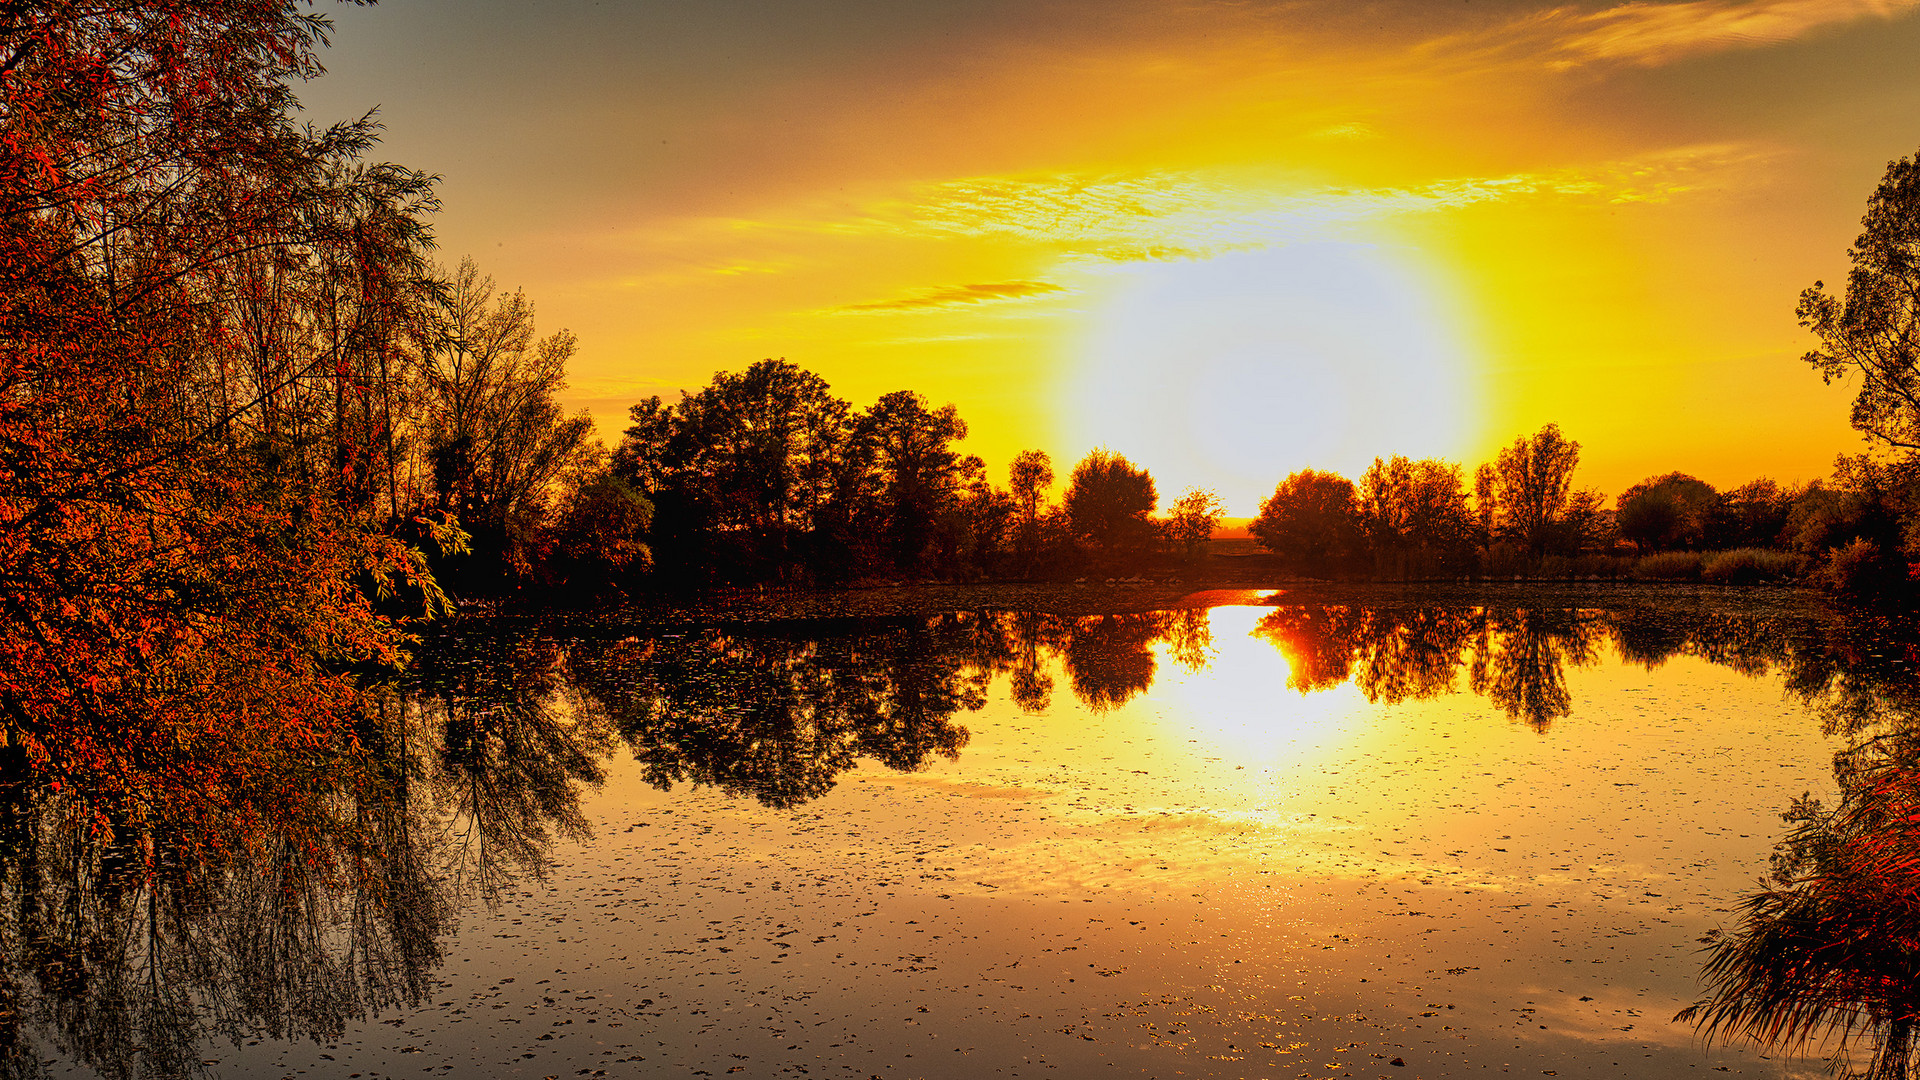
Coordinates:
<point>1367,833</point>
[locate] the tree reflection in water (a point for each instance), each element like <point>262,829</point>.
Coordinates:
<point>1514,657</point>
<point>1829,951</point>
<point>136,928</point>
<point>779,714</point>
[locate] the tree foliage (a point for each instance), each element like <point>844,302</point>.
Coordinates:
<point>1192,518</point>
<point>203,309</point>
<point>766,475</point>
<point>1665,512</point>
<point>1310,520</point>
<point>1872,331</point>
<point>1532,481</point>
<point>1107,502</point>
<point>1416,513</point>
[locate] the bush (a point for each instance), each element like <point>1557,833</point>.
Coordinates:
<point>1750,566</point>
<point>1504,561</point>
<point>1861,568</point>
<point>1669,566</point>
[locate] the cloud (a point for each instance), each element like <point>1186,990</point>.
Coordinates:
<point>1345,132</point>
<point>1651,34</point>
<point>962,295</point>
<point>1176,216</point>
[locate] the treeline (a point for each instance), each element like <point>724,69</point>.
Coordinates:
<point>1857,532</point>
<point>766,476</point>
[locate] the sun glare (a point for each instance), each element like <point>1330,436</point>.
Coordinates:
<point>1240,704</point>
<point>1233,371</point>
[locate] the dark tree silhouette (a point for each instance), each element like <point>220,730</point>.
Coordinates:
<point>1192,518</point>
<point>1415,516</point>
<point>1670,511</point>
<point>501,447</point>
<point>1873,330</point>
<point>743,474</point>
<point>1108,500</point>
<point>1029,477</point>
<point>1532,484</point>
<point>1311,521</point>
<point>918,476</point>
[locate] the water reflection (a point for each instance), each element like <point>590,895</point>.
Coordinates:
<point>296,903</point>
<point>1827,954</point>
<point>291,908</point>
<point>778,717</point>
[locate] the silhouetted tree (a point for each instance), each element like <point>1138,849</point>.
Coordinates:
<point>1751,515</point>
<point>1532,480</point>
<point>1108,500</point>
<point>1311,521</point>
<point>500,444</point>
<point>918,474</point>
<point>744,475</point>
<point>1029,476</point>
<point>1873,331</point>
<point>1414,515</point>
<point>1670,511</point>
<point>599,535</point>
<point>1192,518</point>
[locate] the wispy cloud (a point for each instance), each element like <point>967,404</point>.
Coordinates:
<point>1650,33</point>
<point>1167,216</point>
<point>961,296</point>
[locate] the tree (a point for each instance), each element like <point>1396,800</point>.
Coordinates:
<point>743,475</point>
<point>1108,500</point>
<point>1873,331</point>
<point>1828,949</point>
<point>1415,513</point>
<point>598,533</point>
<point>1029,476</point>
<point>918,475</point>
<point>1192,518</point>
<point>499,444</point>
<point>1310,521</point>
<point>1752,515</point>
<point>1532,480</point>
<point>199,301</point>
<point>1670,511</point>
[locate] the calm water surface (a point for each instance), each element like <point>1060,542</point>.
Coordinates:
<point>1260,836</point>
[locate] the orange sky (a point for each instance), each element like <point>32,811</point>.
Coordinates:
<point>1226,239</point>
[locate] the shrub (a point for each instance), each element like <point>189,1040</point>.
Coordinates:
<point>1861,568</point>
<point>1668,566</point>
<point>1750,566</point>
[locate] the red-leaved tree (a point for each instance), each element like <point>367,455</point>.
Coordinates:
<point>202,306</point>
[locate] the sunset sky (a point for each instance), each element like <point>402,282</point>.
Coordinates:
<point>1226,239</point>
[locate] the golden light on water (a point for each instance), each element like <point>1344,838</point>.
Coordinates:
<point>1240,708</point>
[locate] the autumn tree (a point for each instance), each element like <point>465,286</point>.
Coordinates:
<point>500,445</point>
<point>744,472</point>
<point>1670,511</point>
<point>1872,330</point>
<point>1532,481</point>
<point>1310,521</point>
<point>1107,502</point>
<point>918,474</point>
<point>1415,514</point>
<point>199,308</point>
<point>1029,476</point>
<point>1192,518</point>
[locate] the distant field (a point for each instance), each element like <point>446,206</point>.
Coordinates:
<point>1225,545</point>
